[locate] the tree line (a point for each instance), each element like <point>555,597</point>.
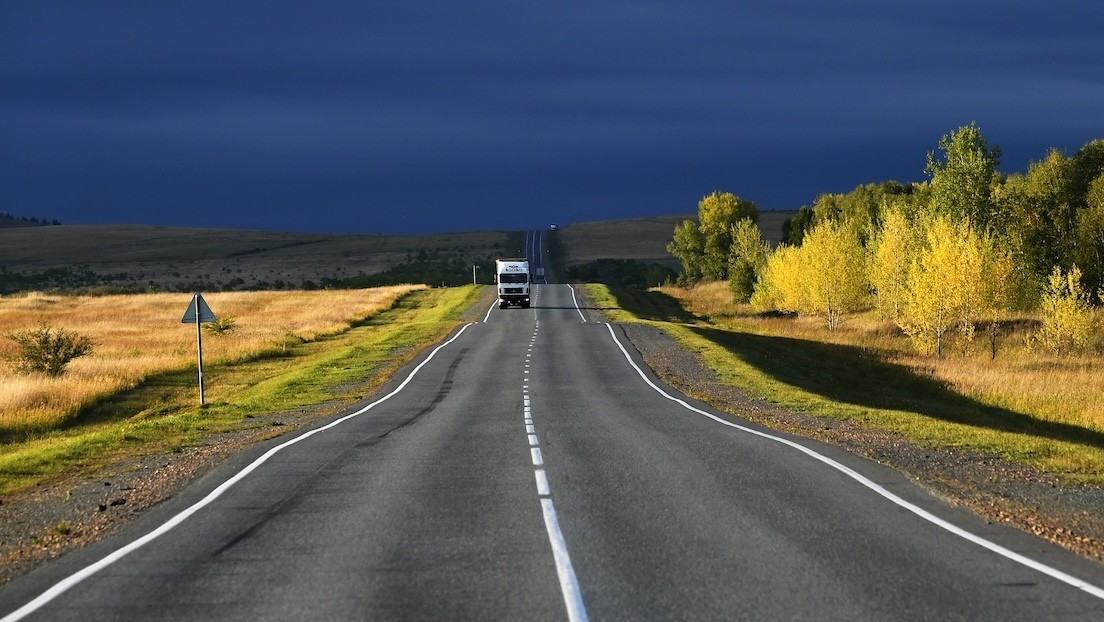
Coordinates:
<point>940,258</point>
<point>11,220</point>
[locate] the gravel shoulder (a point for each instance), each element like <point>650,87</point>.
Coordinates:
<point>45,522</point>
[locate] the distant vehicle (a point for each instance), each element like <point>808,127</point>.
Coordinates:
<point>554,227</point>
<point>512,276</point>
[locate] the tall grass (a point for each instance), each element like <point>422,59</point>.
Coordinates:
<point>1020,378</point>
<point>140,335</point>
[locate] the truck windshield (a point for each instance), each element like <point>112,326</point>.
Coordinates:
<point>513,278</point>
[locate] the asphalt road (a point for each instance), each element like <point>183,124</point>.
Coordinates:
<point>527,470</point>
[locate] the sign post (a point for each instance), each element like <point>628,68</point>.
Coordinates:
<point>199,313</point>
<point>474,268</point>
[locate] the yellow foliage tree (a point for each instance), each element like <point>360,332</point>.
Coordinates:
<point>825,276</point>
<point>1067,317</point>
<point>835,272</point>
<point>775,280</point>
<point>956,278</point>
<point>931,293</point>
<point>891,256</point>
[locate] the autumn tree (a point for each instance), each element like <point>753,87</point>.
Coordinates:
<point>891,256</point>
<point>746,259</point>
<point>779,286</point>
<point>931,295</point>
<point>835,281</point>
<point>957,278</point>
<point>1067,318</point>
<point>824,277</point>
<point>717,214</point>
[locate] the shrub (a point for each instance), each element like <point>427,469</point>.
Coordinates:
<point>47,350</point>
<point>221,326</point>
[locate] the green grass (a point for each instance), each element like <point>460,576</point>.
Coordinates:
<point>854,384</point>
<point>163,415</point>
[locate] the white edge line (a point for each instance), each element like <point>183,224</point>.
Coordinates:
<point>1068,579</point>
<point>491,308</point>
<point>576,301</point>
<point>569,584</point>
<point>72,580</point>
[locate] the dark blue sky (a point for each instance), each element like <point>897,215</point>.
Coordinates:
<point>438,116</point>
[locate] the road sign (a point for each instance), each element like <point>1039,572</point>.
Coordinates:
<point>205,313</point>
<point>199,313</point>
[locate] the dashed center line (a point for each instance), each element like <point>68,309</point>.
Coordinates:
<point>569,584</point>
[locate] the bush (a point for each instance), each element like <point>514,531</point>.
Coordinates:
<point>221,326</point>
<point>46,350</point>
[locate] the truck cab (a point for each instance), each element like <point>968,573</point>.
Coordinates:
<point>514,280</point>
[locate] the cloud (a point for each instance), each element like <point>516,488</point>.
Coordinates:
<point>227,111</point>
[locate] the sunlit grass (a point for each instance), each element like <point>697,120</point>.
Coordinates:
<point>140,335</point>
<point>348,357</point>
<point>1024,404</point>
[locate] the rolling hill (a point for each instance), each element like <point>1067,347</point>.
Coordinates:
<point>140,258</point>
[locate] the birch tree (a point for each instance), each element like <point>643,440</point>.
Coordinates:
<point>891,256</point>
<point>1067,318</point>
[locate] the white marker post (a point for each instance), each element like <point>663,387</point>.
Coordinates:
<point>199,313</point>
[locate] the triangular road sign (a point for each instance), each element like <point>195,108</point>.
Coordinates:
<point>205,313</point>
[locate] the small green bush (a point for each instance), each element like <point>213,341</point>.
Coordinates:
<point>47,350</point>
<point>222,326</point>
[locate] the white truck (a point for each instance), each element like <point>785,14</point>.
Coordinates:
<point>512,276</point>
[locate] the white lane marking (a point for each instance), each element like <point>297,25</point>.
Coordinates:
<point>576,301</point>
<point>569,585</point>
<point>543,489</point>
<point>69,582</point>
<point>489,309</point>
<point>915,509</point>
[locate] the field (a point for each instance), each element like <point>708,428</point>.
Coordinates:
<point>180,259</point>
<point>1024,405</point>
<point>140,335</point>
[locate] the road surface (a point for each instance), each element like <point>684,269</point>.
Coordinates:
<point>530,469</point>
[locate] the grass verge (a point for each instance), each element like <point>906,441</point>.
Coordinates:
<point>863,385</point>
<point>162,415</point>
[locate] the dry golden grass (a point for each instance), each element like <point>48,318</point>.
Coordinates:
<point>1021,379</point>
<point>139,335</point>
